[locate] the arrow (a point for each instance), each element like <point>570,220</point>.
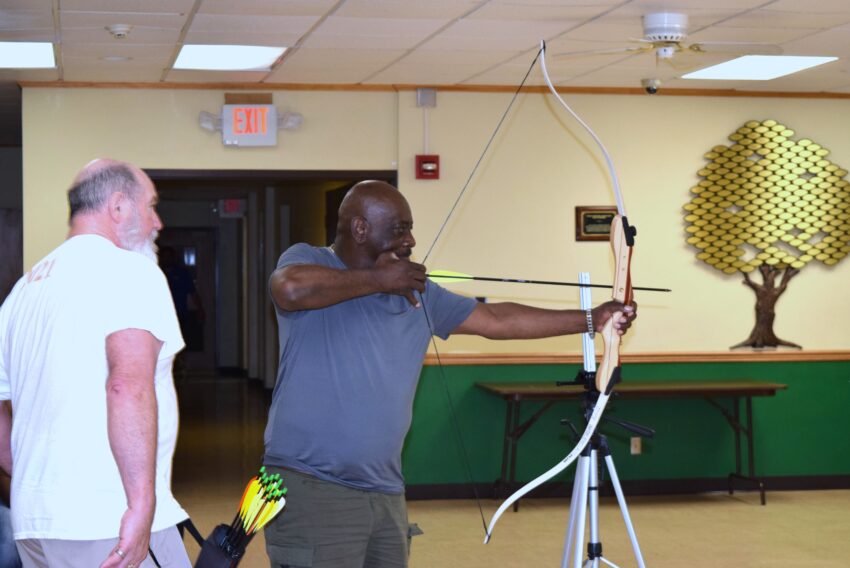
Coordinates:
<point>449,276</point>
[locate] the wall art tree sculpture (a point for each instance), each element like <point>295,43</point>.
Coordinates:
<point>770,203</point>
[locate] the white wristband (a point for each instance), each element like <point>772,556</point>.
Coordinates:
<point>589,318</point>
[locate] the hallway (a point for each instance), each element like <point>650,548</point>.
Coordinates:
<point>220,447</point>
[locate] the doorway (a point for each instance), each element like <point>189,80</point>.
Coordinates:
<point>233,225</point>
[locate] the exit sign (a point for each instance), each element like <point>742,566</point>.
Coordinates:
<point>249,125</point>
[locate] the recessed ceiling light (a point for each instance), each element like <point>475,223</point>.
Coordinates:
<point>26,55</point>
<point>758,67</point>
<point>116,58</point>
<point>228,57</point>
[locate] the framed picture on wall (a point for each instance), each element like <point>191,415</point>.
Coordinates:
<point>593,223</point>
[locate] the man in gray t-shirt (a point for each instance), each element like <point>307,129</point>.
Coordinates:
<point>353,336</point>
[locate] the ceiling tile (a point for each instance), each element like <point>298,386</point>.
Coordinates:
<point>396,9</point>
<point>137,35</point>
<point>318,65</point>
<point>350,75</point>
<point>239,38</point>
<point>82,69</point>
<point>443,75</point>
<point>10,6</point>
<point>769,18</point>
<point>267,7</point>
<point>129,6</point>
<point>118,48</point>
<point>829,42</point>
<point>493,34</point>
<point>252,24</point>
<point>85,20</point>
<point>341,57</point>
<point>754,35</point>
<point>803,7</point>
<point>21,20</point>
<point>27,35</point>
<point>425,59</point>
<point>371,33</point>
<point>542,11</point>
<point>29,74</point>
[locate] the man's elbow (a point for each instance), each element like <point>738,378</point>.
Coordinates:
<point>288,295</point>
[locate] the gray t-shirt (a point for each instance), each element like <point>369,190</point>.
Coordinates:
<point>343,400</point>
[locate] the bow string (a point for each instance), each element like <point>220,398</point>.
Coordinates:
<point>442,372</point>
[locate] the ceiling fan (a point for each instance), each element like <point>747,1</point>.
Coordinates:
<point>664,33</point>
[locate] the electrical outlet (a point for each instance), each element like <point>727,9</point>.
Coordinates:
<point>636,446</point>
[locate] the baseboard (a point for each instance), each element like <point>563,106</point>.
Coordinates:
<point>630,487</point>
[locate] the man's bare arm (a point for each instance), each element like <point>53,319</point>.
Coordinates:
<point>309,286</point>
<point>132,426</point>
<point>507,320</point>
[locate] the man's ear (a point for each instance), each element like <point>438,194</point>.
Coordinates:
<point>117,205</point>
<point>359,229</point>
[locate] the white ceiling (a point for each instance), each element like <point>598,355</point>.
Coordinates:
<point>415,42</point>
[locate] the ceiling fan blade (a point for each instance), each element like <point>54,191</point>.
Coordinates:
<point>742,48</point>
<point>603,51</point>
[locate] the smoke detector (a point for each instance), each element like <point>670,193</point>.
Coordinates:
<point>665,26</point>
<point>119,31</point>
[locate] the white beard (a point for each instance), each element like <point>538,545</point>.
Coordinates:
<point>148,247</point>
<point>131,239</point>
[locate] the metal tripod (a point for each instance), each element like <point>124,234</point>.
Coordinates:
<point>585,502</point>
<point>585,498</point>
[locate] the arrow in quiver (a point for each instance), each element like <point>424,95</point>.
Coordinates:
<point>262,500</point>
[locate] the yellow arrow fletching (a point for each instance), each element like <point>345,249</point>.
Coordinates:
<point>254,488</point>
<point>447,276</point>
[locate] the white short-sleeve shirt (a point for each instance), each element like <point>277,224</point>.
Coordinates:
<point>53,367</point>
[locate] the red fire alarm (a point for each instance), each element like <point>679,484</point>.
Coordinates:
<point>427,166</point>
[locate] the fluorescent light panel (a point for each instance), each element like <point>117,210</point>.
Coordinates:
<point>758,67</point>
<point>228,57</point>
<point>26,55</point>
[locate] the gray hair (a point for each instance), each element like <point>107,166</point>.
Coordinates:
<point>91,192</point>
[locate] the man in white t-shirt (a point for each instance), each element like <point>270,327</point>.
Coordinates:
<point>87,340</point>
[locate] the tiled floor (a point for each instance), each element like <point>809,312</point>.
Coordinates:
<point>220,448</point>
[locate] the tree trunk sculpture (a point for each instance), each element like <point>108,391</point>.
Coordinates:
<point>767,294</point>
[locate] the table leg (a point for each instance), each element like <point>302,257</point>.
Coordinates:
<point>515,434</point>
<point>736,413</point>
<point>501,484</point>
<point>734,420</point>
<point>748,432</point>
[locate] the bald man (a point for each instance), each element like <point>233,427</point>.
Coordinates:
<point>353,335</point>
<point>87,339</point>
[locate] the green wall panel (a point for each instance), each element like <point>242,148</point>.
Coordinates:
<point>803,431</point>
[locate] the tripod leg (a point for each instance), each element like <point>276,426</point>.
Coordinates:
<point>615,482</point>
<point>594,546</point>
<point>577,482</point>
<point>578,551</point>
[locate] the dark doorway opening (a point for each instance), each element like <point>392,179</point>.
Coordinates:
<point>228,228</point>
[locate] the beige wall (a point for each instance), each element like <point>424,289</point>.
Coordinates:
<point>516,218</point>
<point>65,128</point>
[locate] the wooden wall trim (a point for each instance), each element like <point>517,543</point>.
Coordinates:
<point>684,357</point>
<point>404,87</point>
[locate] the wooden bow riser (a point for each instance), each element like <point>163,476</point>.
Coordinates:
<point>622,239</point>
